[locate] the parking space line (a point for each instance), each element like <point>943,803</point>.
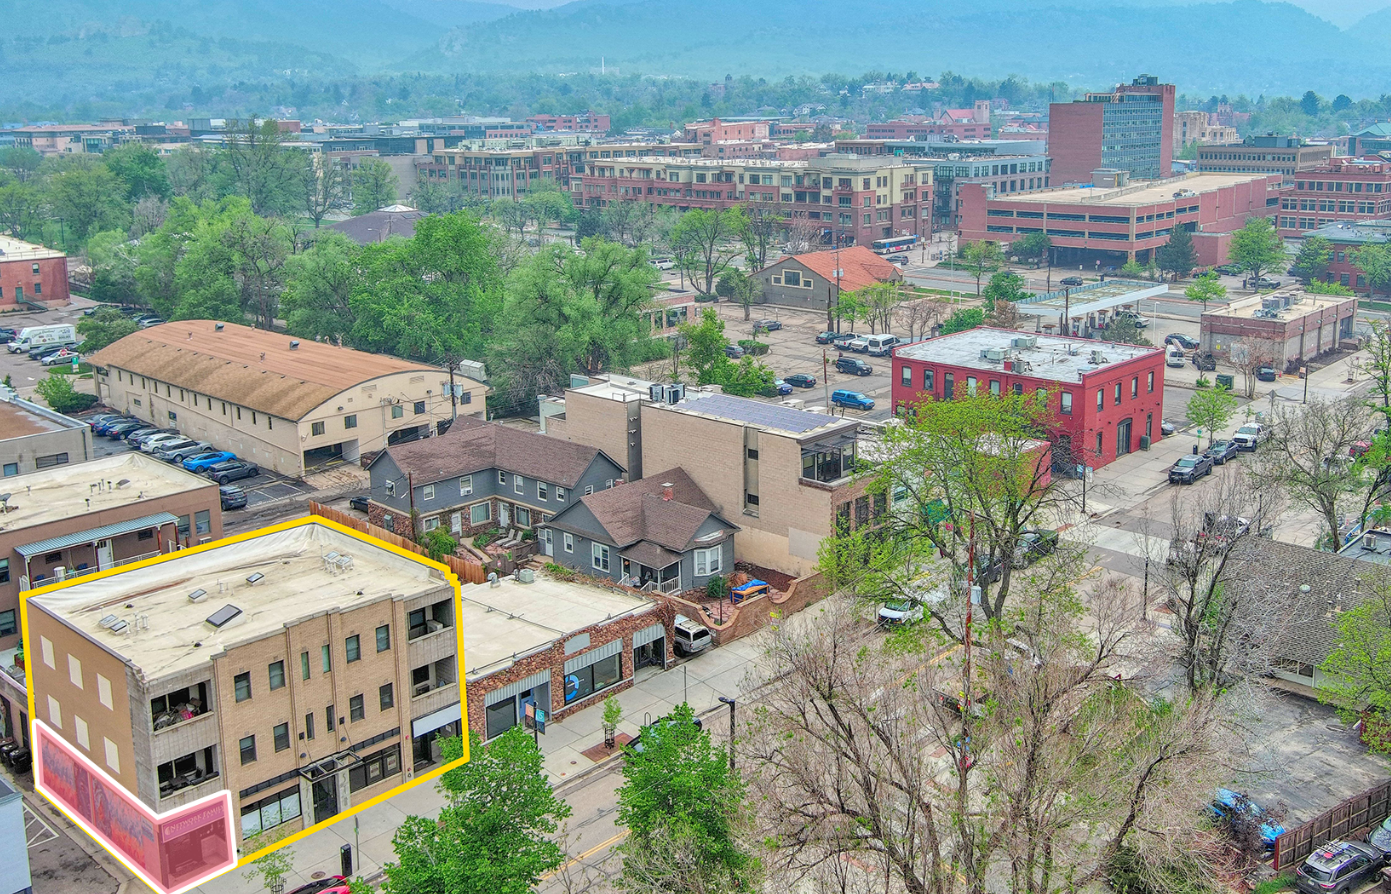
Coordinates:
<point>37,831</point>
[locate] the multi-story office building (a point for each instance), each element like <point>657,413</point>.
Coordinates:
<point>964,124</point>
<point>1344,189</point>
<point>1268,154</point>
<point>71,139</point>
<point>495,171</point>
<point>852,199</point>
<point>1130,128</point>
<point>294,667</point>
<point>718,131</point>
<point>1284,328</point>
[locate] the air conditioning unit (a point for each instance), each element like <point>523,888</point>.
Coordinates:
<point>526,576</point>
<point>422,689</point>
<point>675,393</point>
<point>1024,341</point>
<point>1371,543</point>
<point>1098,358</point>
<point>994,355</point>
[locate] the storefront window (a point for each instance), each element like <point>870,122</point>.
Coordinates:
<point>374,768</point>
<point>595,678</point>
<point>268,813</point>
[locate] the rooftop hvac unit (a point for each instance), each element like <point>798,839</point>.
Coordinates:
<point>794,403</point>
<point>1098,358</point>
<point>657,392</point>
<point>526,576</point>
<point>1025,341</point>
<point>1270,303</point>
<point>676,393</point>
<point>994,355</point>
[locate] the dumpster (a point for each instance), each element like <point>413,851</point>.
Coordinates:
<point>1228,382</point>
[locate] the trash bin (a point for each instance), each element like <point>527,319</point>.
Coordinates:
<point>1228,382</point>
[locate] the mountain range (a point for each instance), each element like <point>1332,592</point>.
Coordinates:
<point>75,51</point>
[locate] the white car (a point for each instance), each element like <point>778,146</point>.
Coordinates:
<point>859,345</point>
<point>159,442</point>
<point>1175,359</point>
<point>1249,435</point>
<point>664,263</point>
<point>64,356</point>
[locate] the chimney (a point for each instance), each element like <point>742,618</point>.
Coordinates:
<point>667,491</point>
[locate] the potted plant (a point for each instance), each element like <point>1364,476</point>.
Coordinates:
<point>613,712</point>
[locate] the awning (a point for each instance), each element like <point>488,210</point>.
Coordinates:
<point>645,552</point>
<point>431,722</point>
<point>92,535</point>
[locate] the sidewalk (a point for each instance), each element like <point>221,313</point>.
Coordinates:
<point>726,670</point>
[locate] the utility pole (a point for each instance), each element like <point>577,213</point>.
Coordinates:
<point>826,376</point>
<point>730,702</point>
<point>410,487</point>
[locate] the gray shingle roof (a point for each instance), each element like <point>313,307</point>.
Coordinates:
<point>637,511</point>
<point>475,446</point>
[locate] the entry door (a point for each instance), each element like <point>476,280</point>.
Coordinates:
<point>105,558</point>
<point>504,514</point>
<point>326,798</point>
<point>546,544</point>
<point>1123,438</point>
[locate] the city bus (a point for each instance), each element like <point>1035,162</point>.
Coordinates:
<point>896,244</point>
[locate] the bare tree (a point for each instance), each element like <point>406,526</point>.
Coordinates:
<point>322,186</point>
<point>147,216</point>
<point>917,316</point>
<point>1249,357</point>
<point>803,234</point>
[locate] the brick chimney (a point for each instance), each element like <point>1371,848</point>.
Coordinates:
<point>667,491</point>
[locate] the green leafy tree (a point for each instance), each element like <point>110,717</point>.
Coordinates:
<point>319,286</point>
<point>1124,331</point>
<point>747,378</point>
<point>1205,288</point>
<point>981,258</point>
<point>1316,287</point>
<point>1256,248</point>
<point>1375,263</point>
<point>1211,408</point>
<point>546,204</point>
<point>88,200</point>
<point>740,288</point>
<point>112,258</point>
<point>438,543</point>
<point>104,327</point>
<point>270,870</point>
<point>21,162</point>
<point>21,208</point>
<point>1309,103</point>
<point>255,165</point>
<point>1005,286</point>
<point>494,834</point>
<point>512,215</point>
<point>1177,257</point>
<point>140,169</point>
<point>1312,260</point>
<point>1132,269</point>
<point>705,242</point>
<point>680,799</point>
<point>374,186</point>
<point>761,222</point>
<point>1032,247</point>
<point>58,392</point>
<point>705,344</point>
<point>963,319</point>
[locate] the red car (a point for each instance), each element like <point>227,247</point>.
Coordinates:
<point>334,884</point>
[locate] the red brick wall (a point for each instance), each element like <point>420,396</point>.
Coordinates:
<point>52,276</point>
<point>1074,141</point>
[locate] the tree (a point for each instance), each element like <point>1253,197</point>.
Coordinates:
<point>88,200</point>
<point>545,203</point>
<point>1205,288</point>
<point>1122,329</point>
<point>1311,262</point>
<point>1132,269</point>
<point>21,208</point>
<point>1250,357</point>
<point>680,798</point>
<point>140,169</point>
<point>438,543</point>
<point>963,319</point>
<point>917,316</point>
<point>1256,248</point>
<point>191,172</point>
<point>493,835</point>
<point>877,302</point>
<point>1309,103</point>
<point>1177,256</point>
<point>374,186</point>
<point>322,186</point>
<point>740,288</point>
<point>705,341</point>
<point>747,378</point>
<point>1001,295</point>
<point>758,231</point>
<point>57,391</point>
<point>1357,674</point>
<point>1378,365</point>
<point>271,869</point>
<point>255,165</point>
<point>105,327</point>
<point>1032,247</point>
<point>319,286</point>
<point>1210,408</point>
<point>981,258</point>
<point>20,161</point>
<point>112,260</point>
<point>704,244</point>
<point>1375,262</point>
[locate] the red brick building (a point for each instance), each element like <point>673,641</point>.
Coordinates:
<point>585,122</point>
<point>1130,129</point>
<point>31,276</point>
<point>717,131</point>
<point>1346,239</point>
<point>1107,399</point>
<point>1345,189</point>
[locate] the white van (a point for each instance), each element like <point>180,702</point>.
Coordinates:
<point>1175,358</point>
<point>881,345</point>
<point>663,263</point>
<point>40,336</point>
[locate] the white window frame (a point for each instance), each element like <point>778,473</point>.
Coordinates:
<point>542,492</point>
<point>465,485</point>
<point>567,541</point>
<point>429,492</point>
<point>518,484</point>
<point>432,523</point>
<point>501,477</point>
<point>588,489</point>
<point>596,551</point>
<point>703,564</point>
<point>487,513</point>
<point>559,494</point>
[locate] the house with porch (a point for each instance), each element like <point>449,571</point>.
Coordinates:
<point>661,533</point>
<point>481,475</point>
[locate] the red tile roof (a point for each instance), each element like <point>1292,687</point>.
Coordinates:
<point>859,266</point>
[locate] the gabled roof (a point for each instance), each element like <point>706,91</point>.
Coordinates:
<point>638,512</point>
<point>1380,129</point>
<point>380,225</point>
<point>252,367</point>
<point>472,445</point>
<point>859,267</point>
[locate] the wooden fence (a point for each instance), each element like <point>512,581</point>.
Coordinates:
<point>468,570</point>
<point>1358,812</point>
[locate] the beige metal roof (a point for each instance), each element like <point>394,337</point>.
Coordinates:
<point>250,367</point>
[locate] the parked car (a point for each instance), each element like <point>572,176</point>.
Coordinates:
<point>359,503</point>
<point>42,351</point>
<point>179,451</point>
<point>844,397</point>
<point>334,884</point>
<point>782,387</point>
<point>1204,362</point>
<point>1138,321</point>
<point>663,263</point>
<point>1071,280</point>
<point>656,728</point>
<point>1381,837</point>
<point>854,366</point>
<point>1221,451</point>
<point>692,637</point>
<point>133,436</point>
<point>97,419</point>
<point>1228,269</point>
<point>138,437</point>
<point>66,355</point>
<point>1236,809</point>
<point>232,470</point>
<point>156,443</point>
<point>843,340</point>
<point>900,611</point>
<point>1166,427</point>
<point>733,352</point>
<point>801,380</point>
<point>104,427</point>
<point>1223,529</point>
<point>204,461</point>
<point>1261,283</point>
<point>232,496</point>
<point>1189,469</point>
<point>1338,867</point>
<point>1034,545</point>
<point>7,334</point>
<point>859,345</point>
<point>115,430</point>
<point>1183,341</point>
<point>1249,435</point>
<point>1265,373</point>
<point>149,322</point>
<point>1359,449</point>
<point>768,325</point>
<point>825,338</point>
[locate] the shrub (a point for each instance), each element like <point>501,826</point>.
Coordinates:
<point>756,348</point>
<point>715,588</point>
<point>485,537</point>
<point>57,390</point>
<point>438,544</point>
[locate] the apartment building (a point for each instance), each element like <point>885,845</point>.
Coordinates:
<point>964,124</point>
<point>492,171</point>
<point>1109,226</point>
<point>32,277</point>
<point>853,199</point>
<point>34,437</point>
<point>1346,238</point>
<point>281,403</point>
<point>1130,128</point>
<point>300,668</point>
<point>71,139</point>
<point>717,131</point>
<point>1344,189</point>
<point>481,475</point>
<point>1267,154</point>
<point>1107,398</point>
<point>585,122</point>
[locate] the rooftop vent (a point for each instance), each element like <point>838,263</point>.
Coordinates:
<point>197,595</point>
<point>255,578</point>
<point>106,622</point>
<point>223,616</point>
<point>294,344</point>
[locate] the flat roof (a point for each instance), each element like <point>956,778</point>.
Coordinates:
<point>1089,298</point>
<point>1294,303</point>
<point>20,417</point>
<point>12,249</point>
<point>1145,193</point>
<point>1360,232</point>
<point>765,416</point>
<point>503,623</point>
<point>73,490</point>
<point>295,586</point>
<point>1049,357</point>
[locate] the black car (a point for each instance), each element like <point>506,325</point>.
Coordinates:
<point>657,726</point>
<point>359,503</point>
<point>114,432</point>
<point>232,496</point>
<point>1204,362</point>
<point>1221,451</point>
<point>825,338</point>
<point>1034,545</point>
<point>1189,469</point>
<point>1071,280</point>
<point>1338,867</point>
<point>733,352</point>
<point>232,470</point>
<point>7,334</point>
<point>1265,373</point>
<point>854,366</point>
<point>1183,341</point>
<point>801,380</point>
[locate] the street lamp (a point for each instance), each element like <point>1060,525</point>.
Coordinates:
<point>730,702</point>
